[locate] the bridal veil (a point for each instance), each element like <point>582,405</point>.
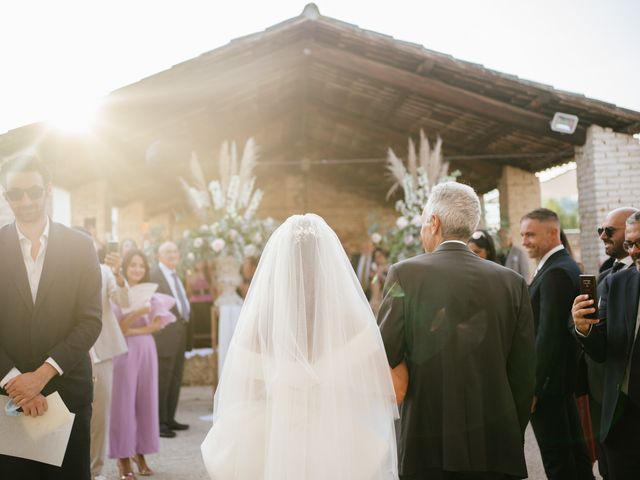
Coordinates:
<point>306,392</point>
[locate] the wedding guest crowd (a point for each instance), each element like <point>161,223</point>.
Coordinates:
<point>521,353</point>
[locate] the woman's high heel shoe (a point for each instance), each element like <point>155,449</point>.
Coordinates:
<point>143,468</point>
<point>125,470</point>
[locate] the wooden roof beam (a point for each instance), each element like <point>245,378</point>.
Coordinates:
<point>442,92</point>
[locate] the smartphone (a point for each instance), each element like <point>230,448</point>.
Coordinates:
<point>588,286</point>
<point>113,247</point>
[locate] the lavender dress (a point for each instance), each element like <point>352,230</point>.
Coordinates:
<point>134,427</point>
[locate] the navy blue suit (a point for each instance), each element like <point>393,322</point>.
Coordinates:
<point>556,423</point>
<point>610,342</point>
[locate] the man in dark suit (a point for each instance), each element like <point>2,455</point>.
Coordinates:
<point>591,372</point>
<point>172,341</point>
<point>50,316</point>
<point>613,339</point>
<point>464,327</point>
<point>554,415</point>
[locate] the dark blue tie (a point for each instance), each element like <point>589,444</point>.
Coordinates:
<point>182,301</point>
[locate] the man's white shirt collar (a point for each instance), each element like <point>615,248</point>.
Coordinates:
<point>547,255</point>
<point>166,270</point>
<point>43,238</point>
<point>454,241</point>
<point>628,261</point>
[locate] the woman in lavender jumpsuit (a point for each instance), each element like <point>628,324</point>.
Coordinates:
<point>134,429</point>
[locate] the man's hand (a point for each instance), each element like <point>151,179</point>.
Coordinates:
<point>114,262</point>
<point>35,407</point>
<point>26,386</point>
<point>582,306</point>
<point>534,405</point>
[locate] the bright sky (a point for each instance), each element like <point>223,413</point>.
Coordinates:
<point>60,56</point>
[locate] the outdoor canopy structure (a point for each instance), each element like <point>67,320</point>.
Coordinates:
<point>325,100</point>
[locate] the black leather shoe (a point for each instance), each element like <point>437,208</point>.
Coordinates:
<point>166,432</point>
<point>178,426</point>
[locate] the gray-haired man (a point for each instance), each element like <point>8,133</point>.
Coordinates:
<point>464,327</point>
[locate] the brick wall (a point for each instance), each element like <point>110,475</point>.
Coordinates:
<point>6,215</point>
<point>130,220</point>
<point>90,201</point>
<point>519,194</point>
<point>608,172</point>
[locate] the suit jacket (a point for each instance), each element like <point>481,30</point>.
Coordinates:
<point>552,292</point>
<point>163,337</point>
<point>518,261</point>
<point>591,373</point>
<point>610,341</point>
<point>65,320</point>
<point>464,326</point>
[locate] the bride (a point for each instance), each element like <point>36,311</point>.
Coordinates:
<point>306,392</point>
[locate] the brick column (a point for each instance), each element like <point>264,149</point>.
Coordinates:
<point>130,220</point>
<point>519,194</point>
<point>90,201</point>
<point>608,172</point>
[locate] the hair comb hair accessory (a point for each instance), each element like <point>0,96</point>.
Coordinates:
<point>303,230</point>
<point>477,235</point>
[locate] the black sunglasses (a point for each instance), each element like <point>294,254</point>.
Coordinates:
<point>628,245</point>
<point>608,231</point>
<point>15,194</point>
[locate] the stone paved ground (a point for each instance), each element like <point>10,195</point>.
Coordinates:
<point>179,458</point>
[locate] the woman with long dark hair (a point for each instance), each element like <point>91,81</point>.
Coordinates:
<point>134,429</point>
<point>482,245</point>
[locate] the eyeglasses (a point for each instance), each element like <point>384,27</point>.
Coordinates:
<point>608,231</point>
<point>15,194</point>
<point>628,245</point>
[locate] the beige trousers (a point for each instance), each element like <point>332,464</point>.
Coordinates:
<point>103,376</point>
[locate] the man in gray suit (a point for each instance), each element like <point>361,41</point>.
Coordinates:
<point>514,257</point>
<point>464,327</point>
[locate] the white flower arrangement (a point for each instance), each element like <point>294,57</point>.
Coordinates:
<point>228,207</point>
<point>423,171</point>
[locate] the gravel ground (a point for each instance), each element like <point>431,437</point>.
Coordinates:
<point>179,457</point>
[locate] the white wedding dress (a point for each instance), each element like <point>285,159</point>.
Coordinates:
<point>306,392</point>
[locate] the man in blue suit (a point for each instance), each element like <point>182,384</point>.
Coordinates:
<point>613,340</point>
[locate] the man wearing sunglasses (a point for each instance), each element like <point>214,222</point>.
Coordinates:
<point>613,340</point>
<point>50,316</point>
<point>591,373</point>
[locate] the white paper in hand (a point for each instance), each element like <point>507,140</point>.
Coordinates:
<point>140,295</point>
<point>43,439</point>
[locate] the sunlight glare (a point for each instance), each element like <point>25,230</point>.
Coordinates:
<point>74,114</point>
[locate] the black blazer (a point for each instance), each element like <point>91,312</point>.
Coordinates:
<point>164,338</point>
<point>591,373</point>
<point>464,326</point>
<point>552,292</point>
<point>67,316</point>
<point>610,341</point>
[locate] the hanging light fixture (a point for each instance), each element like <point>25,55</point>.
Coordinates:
<point>564,123</point>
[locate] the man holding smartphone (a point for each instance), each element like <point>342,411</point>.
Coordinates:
<point>592,373</point>
<point>612,339</point>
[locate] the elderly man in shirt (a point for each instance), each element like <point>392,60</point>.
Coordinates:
<point>173,340</point>
<point>50,316</point>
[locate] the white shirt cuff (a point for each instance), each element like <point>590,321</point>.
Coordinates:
<point>581,334</point>
<point>53,363</point>
<point>13,373</point>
